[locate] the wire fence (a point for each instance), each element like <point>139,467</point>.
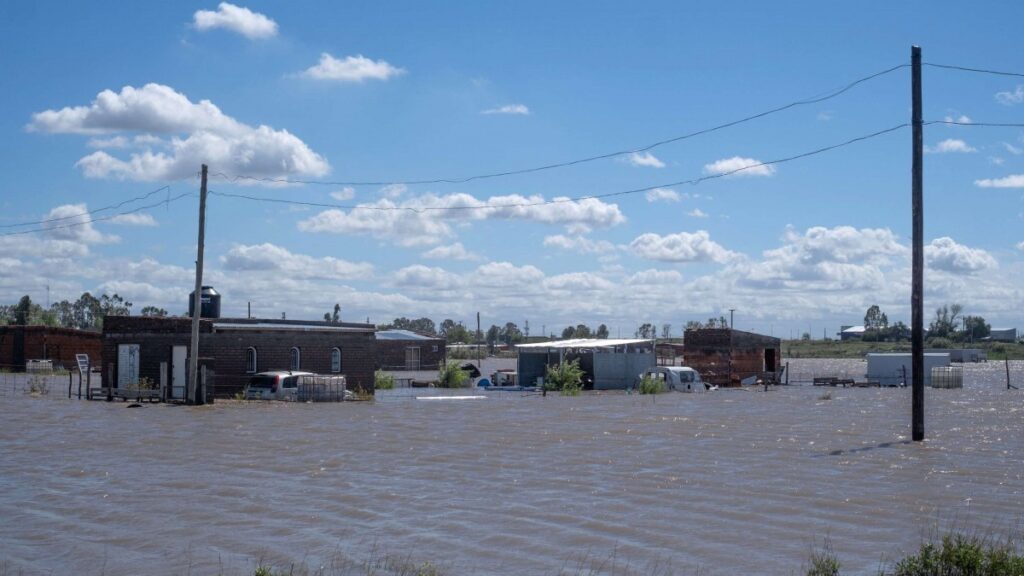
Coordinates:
<point>56,385</point>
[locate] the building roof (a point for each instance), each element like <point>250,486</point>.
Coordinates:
<point>277,327</point>
<point>855,330</point>
<point>584,343</point>
<point>402,335</point>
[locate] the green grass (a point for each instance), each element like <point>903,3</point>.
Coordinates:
<point>857,349</point>
<point>383,381</point>
<point>451,376</point>
<point>567,377</point>
<point>650,385</point>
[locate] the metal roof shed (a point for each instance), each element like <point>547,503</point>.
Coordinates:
<point>608,364</point>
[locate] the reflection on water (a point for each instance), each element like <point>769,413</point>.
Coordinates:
<point>728,482</point>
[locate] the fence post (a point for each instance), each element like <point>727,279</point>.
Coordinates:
<point>1007,361</point>
<point>70,376</point>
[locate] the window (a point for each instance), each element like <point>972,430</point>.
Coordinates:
<point>296,359</point>
<point>435,348</point>
<point>250,360</point>
<point>336,360</point>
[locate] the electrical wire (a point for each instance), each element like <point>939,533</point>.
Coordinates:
<point>978,70</point>
<point>814,100</point>
<point>100,219</point>
<point>979,124</point>
<point>485,206</point>
<point>79,215</point>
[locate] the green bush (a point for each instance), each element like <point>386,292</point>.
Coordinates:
<point>650,385</point>
<point>383,381</point>
<point>958,555</point>
<point>567,377</point>
<point>451,376</point>
<point>939,343</point>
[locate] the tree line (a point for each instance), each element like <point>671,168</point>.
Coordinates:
<point>85,313</point>
<point>949,324</point>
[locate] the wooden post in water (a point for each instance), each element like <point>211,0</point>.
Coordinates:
<point>917,274</point>
<point>1007,361</point>
<point>71,376</point>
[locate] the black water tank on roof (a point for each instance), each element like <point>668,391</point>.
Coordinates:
<point>210,307</point>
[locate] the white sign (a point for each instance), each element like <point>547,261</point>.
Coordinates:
<point>83,363</point>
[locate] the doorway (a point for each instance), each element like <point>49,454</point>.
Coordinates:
<point>769,360</point>
<point>179,371</point>
<point>412,358</point>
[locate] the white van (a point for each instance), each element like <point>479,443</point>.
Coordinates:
<point>274,385</point>
<point>678,378</point>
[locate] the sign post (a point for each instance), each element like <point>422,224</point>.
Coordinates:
<point>83,372</point>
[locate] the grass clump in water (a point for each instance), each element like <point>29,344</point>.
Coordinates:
<point>959,555</point>
<point>567,377</point>
<point>451,375</point>
<point>383,381</point>
<point>649,385</point>
<point>823,561</point>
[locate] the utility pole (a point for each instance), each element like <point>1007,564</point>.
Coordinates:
<point>479,364</point>
<point>917,274</point>
<point>197,298</point>
<point>731,325</point>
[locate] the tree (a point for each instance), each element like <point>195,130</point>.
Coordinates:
<point>647,331</point>
<point>23,310</point>
<point>510,334</point>
<point>424,325</point>
<point>694,325</point>
<point>944,325</point>
<point>805,336</point>
<point>583,331</point>
<point>666,331</point>
<point>333,318</point>
<point>975,328</point>
<point>897,332</point>
<point>569,332</point>
<point>492,335</point>
<point>446,326</point>
<point>602,332</point>
<point>875,319</point>
<point>154,312</point>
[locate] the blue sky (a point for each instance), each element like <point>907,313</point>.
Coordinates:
<point>110,101</point>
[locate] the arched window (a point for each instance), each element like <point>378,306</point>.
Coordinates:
<point>296,359</point>
<point>250,360</point>
<point>336,360</point>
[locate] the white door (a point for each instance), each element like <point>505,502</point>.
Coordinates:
<point>127,365</point>
<point>412,358</point>
<point>179,368</point>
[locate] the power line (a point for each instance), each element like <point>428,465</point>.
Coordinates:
<point>978,70</point>
<point>100,219</point>
<point>485,206</point>
<point>979,124</point>
<point>645,148</point>
<point>87,213</point>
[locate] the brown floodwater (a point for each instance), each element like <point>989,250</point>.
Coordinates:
<point>729,482</point>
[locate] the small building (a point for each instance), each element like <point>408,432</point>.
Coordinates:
<point>607,364</point>
<point>408,350</point>
<point>852,333</point>
<point>895,368</point>
<point>157,349</point>
<point>961,354</point>
<point>1002,335</point>
<point>21,344</point>
<point>727,357</point>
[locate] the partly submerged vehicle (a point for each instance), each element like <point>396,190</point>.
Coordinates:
<point>274,385</point>
<point>678,378</point>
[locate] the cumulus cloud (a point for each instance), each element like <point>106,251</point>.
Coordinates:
<point>356,68</point>
<point>739,166</point>
<point>252,25</point>
<point>662,195</point>
<point>1008,98</point>
<point>346,193</point>
<point>575,282</point>
<point>697,213</point>
<point>428,219</point>
<point>134,219</point>
<point>680,247</point>
<point>961,119</point>
<point>393,190</point>
<point>655,276</point>
<point>580,244</point>
<point>421,276</point>
<point>1015,150</point>
<point>1020,246</point>
<point>454,251</point>
<point>269,257</point>
<point>72,223</point>
<point>1011,181</point>
<point>950,145</point>
<point>210,136</point>
<point>947,255</point>
<point>644,159</point>
<point>515,109</point>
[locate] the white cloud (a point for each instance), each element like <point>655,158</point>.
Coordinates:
<point>518,109</point>
<point>1011,98</point>
<point>269,257</point>
<point>72,223</point>
<point>113,142</point>
<point>697,213</point>
<point>825,115</point>
<point>454,251</point>
<point>356,68</point>
<point>425,277</point>
<point>945,254</point>
<point>498,274</point>
<point>252,25</point>
<point>680,247</point>
<point>346,193</point>
<point>644,159</point>
<point>1015,150</point>
<point>393,190</point>
<point>662,195</point>
<point>950,145</point>
<point>655,276</point>
<point>134,219</point>
<point>579,244</point>
<point>575,282</point>
<point>1011,181</point>
<point>212,137</point>
<point>996,160</point>
<point>738,166</point>
<point>427,219</point>
<point>1020,246</point>
<point>961,119</point>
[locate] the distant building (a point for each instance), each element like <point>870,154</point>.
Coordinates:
<point>20,344</point>
<point>408,350</point>
<point>727,357</point>
<point>1002,335</point>
<point>852,333</point>
<point>607,364</point>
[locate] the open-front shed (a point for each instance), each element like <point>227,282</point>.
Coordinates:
<point>727,357</point>
<point>607,364</point>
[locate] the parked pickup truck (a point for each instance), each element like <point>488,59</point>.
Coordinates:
<point>678,378</point>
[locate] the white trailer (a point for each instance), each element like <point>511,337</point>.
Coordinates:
<point>895,369</point>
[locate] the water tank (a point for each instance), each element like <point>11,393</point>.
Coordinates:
<point>210,299</point>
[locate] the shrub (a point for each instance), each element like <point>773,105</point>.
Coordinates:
<point>451,376</point>
<point>383,381</point>
<point>939,343</point>
<point>38,386</point>
<point>650,385</point>
<point>566,377</point>
<point>959,554</point>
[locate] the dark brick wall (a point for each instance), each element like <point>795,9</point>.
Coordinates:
<point>21,343</point>
<point>710,351</point>
<point>391,353</point>
<point>227,349</point>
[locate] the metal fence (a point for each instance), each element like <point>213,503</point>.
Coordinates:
<point>47,384</point>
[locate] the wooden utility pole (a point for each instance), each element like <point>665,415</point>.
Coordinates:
<point>197,300</point>
<point>917,274</point>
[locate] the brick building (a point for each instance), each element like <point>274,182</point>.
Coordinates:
<point>727,357</point>
<point>19,344</point>
<point>407,350</point>
<point>235,348</point>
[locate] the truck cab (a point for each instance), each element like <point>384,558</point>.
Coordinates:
<point>678,378</point>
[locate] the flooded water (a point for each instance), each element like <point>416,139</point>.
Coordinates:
<point>729,482</point>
